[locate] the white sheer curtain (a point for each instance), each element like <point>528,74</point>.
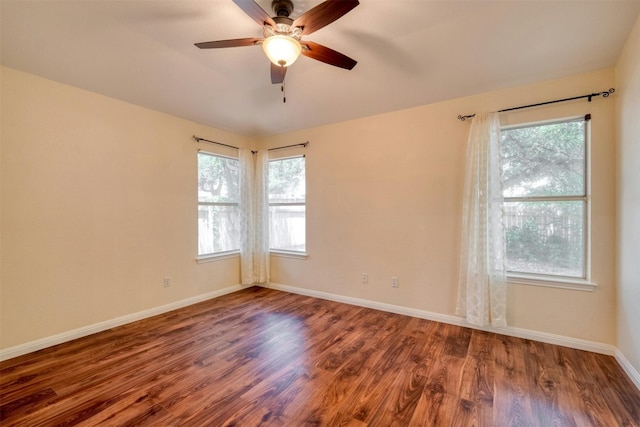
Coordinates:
<point>482,279</point>
<point>261,226</point>
<point>254,217</point>
<point>247,172</point>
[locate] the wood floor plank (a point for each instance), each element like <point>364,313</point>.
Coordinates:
<point>260,357</point>
<point>340,386</point>
<point>449,357</point>
<point>134,409</point>
<point>398,406</point>
<point>373,388</point>
<point>513,390</point>
<point>435,408</point>
<point>613,384</point>
<point>478,378</point>
<point>546,378</point>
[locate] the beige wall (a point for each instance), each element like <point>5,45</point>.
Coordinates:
<point>384,198</point>
<point>628,126</point>
<point>98,206</point>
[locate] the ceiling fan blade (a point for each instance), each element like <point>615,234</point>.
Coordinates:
<point>329,56</point>
<point>228,43</point>
<point>323,14</point>
<point>277,74</point>
<point>254,10</point>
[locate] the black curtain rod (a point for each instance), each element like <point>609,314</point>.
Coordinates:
<point>302,144</point>
<point>198,139</point>
<point>603,94</point>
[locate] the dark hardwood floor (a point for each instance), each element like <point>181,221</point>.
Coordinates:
<point>263,357</point>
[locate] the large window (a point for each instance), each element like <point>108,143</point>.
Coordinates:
<point>287,193</point>
<point>218,211</point>
<point>546,199</point>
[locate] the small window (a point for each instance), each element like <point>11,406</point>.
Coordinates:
<point>287,204</point>
<point>546,201</point>
<point>218,209</point>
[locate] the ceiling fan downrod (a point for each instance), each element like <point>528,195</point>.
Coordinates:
<point>282,7</point>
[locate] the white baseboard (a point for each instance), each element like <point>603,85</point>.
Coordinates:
<point>39,344</point>
<point>634,376</point>
<point>576,343</point>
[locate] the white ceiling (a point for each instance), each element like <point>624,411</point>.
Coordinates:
<point>409,52</point>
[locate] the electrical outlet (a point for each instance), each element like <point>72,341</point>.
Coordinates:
<point>394,281</point>
<point>365,278</point>
<point>166,282</point>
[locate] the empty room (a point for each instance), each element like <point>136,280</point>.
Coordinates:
<point>328,213</point>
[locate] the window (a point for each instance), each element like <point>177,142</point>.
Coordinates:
<point>546,201</point>
<point>287,209</point>
<point>218,210</point>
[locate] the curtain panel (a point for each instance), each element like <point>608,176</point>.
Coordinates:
<point>254,217</point>
<point>261,219</point>
<point>482,278</point>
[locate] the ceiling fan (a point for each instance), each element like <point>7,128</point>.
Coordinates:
<point>282,35</point>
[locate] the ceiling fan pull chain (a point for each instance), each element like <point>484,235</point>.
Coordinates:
<point>284,94</point>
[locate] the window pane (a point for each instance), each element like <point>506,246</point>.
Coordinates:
<point>287,180</point>
<point>287,228</point>
<point>544,160</point>
<point>218,178</point>
<point>545,237</point>
<point>218,229</point>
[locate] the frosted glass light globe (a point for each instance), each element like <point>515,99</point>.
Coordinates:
<point>282,50</point>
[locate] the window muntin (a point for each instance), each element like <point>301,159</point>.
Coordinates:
<point>546,203</point>
<point>287,204</point>
<point>218,204</point>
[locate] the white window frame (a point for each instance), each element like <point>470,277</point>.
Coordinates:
<point>214,256</point>
<point>551,280</point>
<point>283,252</point>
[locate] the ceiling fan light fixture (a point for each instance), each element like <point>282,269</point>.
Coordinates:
<point>282,50</point>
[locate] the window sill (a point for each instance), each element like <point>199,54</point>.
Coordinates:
<point>288,254</point>
<point>555,282</point>
<point>217,257</point>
